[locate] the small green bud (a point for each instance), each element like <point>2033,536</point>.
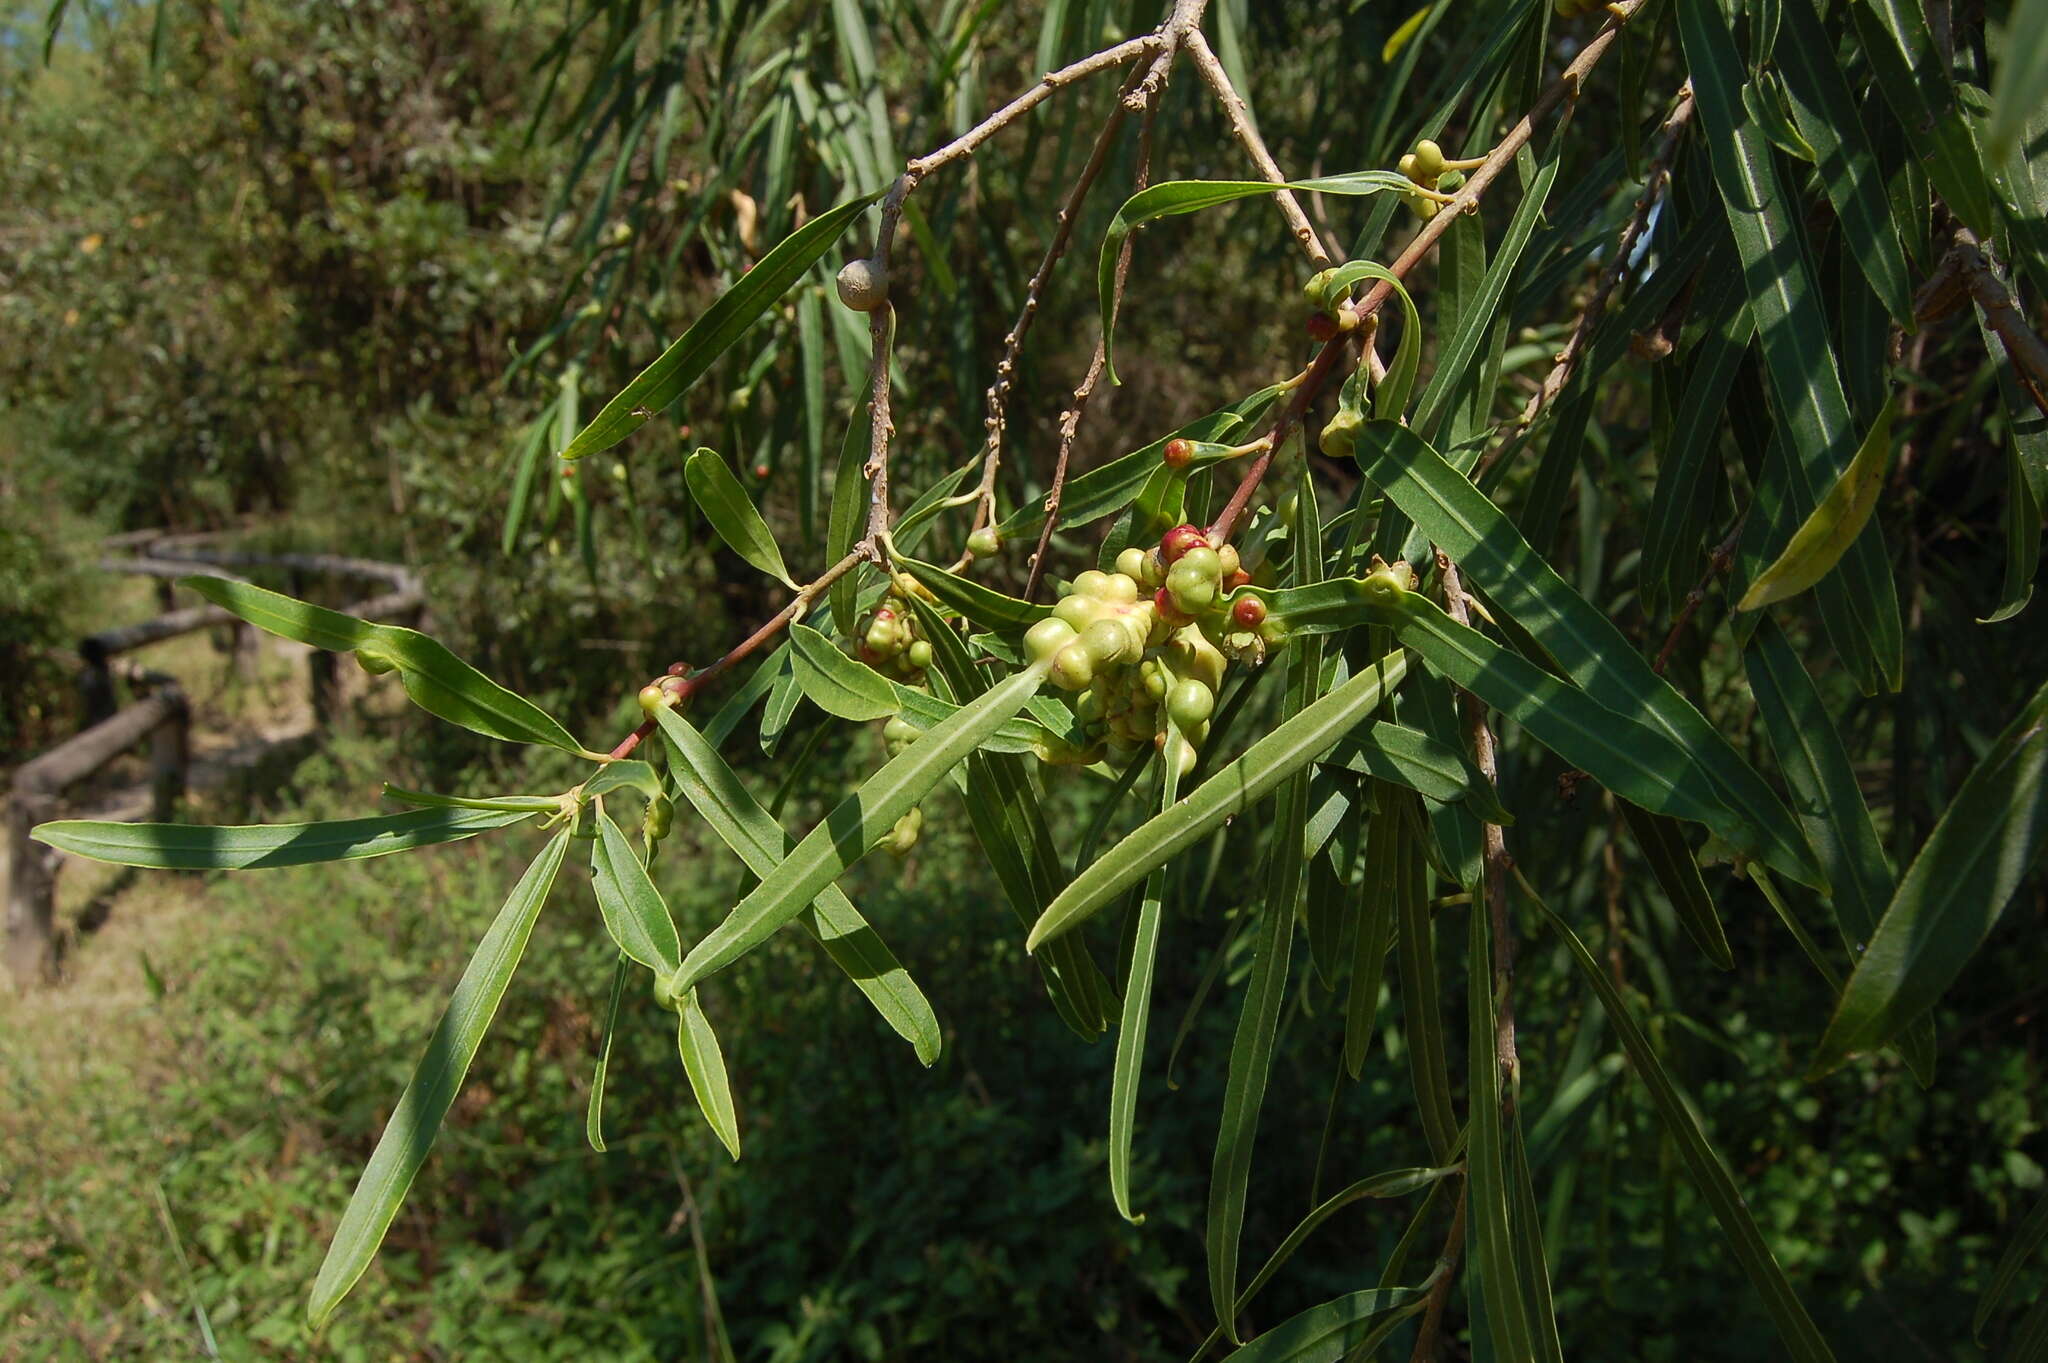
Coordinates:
<point>985,542</point>
<point>1191,704</point>
<point>1047,637</point>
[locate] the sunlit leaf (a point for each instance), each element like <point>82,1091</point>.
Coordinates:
<point>634,913</point>
<point>732,513</point>
<point>410,1132</point>
<point>209,847</point>
<point>1826,535</point>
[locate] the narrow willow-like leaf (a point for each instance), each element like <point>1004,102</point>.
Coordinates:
<point>1189,196</point>
<point>525,463</point>
<point>725,321</point>
<point>1671,861</point>
<point>630,774</point>
<point>2020,85</point>
<point>436,680</point>
<point>1486,1159</point>
<point>1634,761</point>
<point>1012,830</point>
<point>1412,758</point>
<point>984,606</point>
<point>1258,1023</point>
<point>1825,110</point>
<point>712,789</point>
<point>1390,398</point>
<point>836,683</point>
<point>732,513</point>
<point>846,834</point>
<point>1109,488</point>
<point>426,799</point>
<point>1375,931</point>
<point>417,1118</point>
<point>1958,885</point>
<point>238,847</point>
<point>1862,610</point>
<point>704,1064</point>
<point>1395,1183</point>
<point>1830,805</point>
<point>1421,998</point>
<point>1826,535</point>
<point>634,914</point>
<point>2027,1239</point>
<point>1914,78</point>
<point>1685,471</point>
<point>1326,1333</point>
<point>1460,519</point>
<point>593,1111</point>
<point>1137,1015</point>
<point>1235,788</point>
<point>1709,1172</point>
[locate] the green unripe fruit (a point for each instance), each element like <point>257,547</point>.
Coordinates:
<point>653,699</point>
<point>985,542</point>
<point>1202,560</point>
<point>881,637</point>
<point>1154,575</point>
<point>1119,589</point>
<point>919,655</point>
<point>1429,161</point>
<point>1090,708</point>
<point>659,818</point>
<point>1152,675</point>
<point>1091,583</point>
<point>1227,556</point>
<point>375,661</point>
<point>903,836</point>
<point>900,730</point>
<point>1047,637</point>
<point>1077,610</point>
<point>1107,642</point>
<point>1191,704</point>
<point>1131,563</point>
<point>1406,165</point>
<point>1340,433</point>
<point>1073,667</point>
<point>1192,592</point>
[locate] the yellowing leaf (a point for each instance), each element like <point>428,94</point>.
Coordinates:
<point>1827,534</point>
<point>1400,36</point>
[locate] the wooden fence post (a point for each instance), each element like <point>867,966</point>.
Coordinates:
<point>170,754</point>
<point>31,889</point>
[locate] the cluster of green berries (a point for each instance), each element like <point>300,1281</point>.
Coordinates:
<point>1427,167</point>
<point>1143,649</point>
<point>890,642</point>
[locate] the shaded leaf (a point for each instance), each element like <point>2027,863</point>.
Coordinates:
<point>634,913</point>
<point>704,1064</point>
<point>732,514</point>
<point>1826,535</point>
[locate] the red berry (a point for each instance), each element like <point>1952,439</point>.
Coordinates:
<point>1232,581</point>
<point>1249,612</point>
<point>1177,453</point>
<point>1179,540</point>
<point>760,470</point>
<point>1321,327</point>
<point>1172,614</point>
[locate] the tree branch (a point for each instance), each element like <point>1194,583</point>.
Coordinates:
<point>1255,146</point>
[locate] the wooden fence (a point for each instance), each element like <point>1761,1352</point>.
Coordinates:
<point>163,716</point>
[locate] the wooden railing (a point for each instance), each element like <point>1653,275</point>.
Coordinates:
<point>163,716</point>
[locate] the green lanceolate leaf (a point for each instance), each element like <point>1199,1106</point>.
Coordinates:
<point>417,1118</point>
<point>1411,758</point>
<point>1671,861</point>
<point>1190,196</point>
<point>1461,520</point>
<point>1235,788</point>
<point>2027,1239</point>
<point>1130,1037</point>
<point>836,683</point>
<point>1956,888</point>
<point>593,1111</point>
<point>1323,1334</point>
<point>1486,1160</point>
<point>425,799</point>
<point>436,680</point>
<point>1631,759</point>
<point>704,1064</point>
<point>208,847</point>
<point>2019,87</point>
<point>630,774</point>
<point>1703,1162</point>
<point>1390,399</point>
<point>1825,110</point>
<point>634,913</point>
<point>1685,472</point>
<point>725,321</point>
<point>1826,535</point>
<point>847,515</point>
<point>1422,998</point>
<point>984,606</point>
<point>852,827</point>
<point>1375,932</point>
<point>710,786</point>
<point>732,514</point>
<point>1258,1023</point>
<point>1862,609</point>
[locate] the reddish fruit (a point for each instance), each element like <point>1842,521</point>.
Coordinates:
<point>1322,327</point>
<point>1169,611</point>
<point>1232,581</point>
<point>1249,612</point>
<point>1177,453</point>
<point>1179,540</point>
<point>760,470</point>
